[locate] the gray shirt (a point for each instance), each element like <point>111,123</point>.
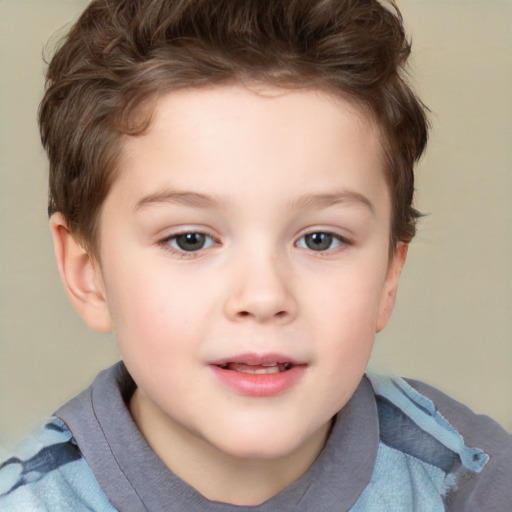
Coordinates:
<point>135,479</point>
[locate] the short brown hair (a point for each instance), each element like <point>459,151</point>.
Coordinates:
<point>121,54</point>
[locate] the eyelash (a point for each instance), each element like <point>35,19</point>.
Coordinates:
<point>166,242</point>
<point>334,237</point>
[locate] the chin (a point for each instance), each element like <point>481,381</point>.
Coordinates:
<point>261,452</point>
<point>263,444</point>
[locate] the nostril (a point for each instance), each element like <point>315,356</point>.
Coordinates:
<point>243,314</point>
<point>281,314</point>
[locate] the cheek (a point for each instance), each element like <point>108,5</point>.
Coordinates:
<point>345,313</point>
<point>152,313</point>
<point>348,302</point>
<point>157,337</point>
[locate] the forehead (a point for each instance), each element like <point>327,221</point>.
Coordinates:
<point>226,135</point>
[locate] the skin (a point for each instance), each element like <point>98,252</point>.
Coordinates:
<point>255,172</point>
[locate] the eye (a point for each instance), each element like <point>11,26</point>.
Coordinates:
<point>321,241</point>
<point>189,242</point>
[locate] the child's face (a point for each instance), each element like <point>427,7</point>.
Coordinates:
<point>244,264</point>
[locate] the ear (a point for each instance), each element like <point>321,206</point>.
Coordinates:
<point>388,296</point>
<point>81,275</point>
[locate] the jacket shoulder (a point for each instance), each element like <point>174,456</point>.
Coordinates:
<point>48,472</point>
<point>491,488</point>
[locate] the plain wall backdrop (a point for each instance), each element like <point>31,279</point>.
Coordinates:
<point>452,325</point>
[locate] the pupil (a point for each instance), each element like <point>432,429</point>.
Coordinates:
<point>190,241</point>
<point>318,241</point>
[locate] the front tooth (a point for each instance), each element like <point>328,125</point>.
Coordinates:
<point>267,370</point>
<point>269,364</point>
<point>256,370</point>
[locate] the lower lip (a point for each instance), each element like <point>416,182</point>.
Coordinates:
<point>259,385</point>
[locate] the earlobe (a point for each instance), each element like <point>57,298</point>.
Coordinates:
<point>388,297</point>
<point>81,276</point>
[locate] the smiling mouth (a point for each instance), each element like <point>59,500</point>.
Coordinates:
<point>259,375</point>
<point>256,369</point>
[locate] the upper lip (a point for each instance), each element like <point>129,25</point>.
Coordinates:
<point>255,359</point>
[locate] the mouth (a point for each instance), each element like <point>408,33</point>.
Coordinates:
<point>256,369</point>
<point>259,375</point>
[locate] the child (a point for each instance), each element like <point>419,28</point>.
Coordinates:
<point>231,193</point>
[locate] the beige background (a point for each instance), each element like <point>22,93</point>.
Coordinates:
<point>453,322</point>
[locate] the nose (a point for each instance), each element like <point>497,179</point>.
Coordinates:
<point>261,290</point>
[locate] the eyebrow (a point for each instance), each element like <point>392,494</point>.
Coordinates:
<point>192,199</point>
<point>311,201</point>
<point>306,201</point>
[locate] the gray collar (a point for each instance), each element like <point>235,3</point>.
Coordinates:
<point>135,479</point>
